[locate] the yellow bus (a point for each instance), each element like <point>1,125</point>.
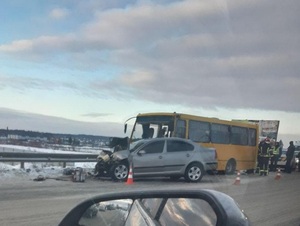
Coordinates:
<point>236,142</point>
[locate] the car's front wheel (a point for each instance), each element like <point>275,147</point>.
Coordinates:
<point>119,171</point>
<point>194,172</point>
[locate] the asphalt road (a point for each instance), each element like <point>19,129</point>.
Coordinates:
<point>265,200</point>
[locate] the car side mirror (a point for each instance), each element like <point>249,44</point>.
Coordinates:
<point>159,207</point>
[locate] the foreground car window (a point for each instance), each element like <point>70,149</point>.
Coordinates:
<point>178,146</point>
<point>190,212</point>
<point>152,205</point>
<point>136,145</point>
<point>180,211</point>
<point>115,212</point>
<point>154,147</point>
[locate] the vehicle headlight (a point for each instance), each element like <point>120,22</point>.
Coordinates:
<point>297,160</point>
<point>116,157</point>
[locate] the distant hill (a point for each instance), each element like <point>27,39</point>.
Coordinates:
<point>35,134</point>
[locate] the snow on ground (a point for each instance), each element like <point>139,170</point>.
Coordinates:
<point>47,170</point>
<point>33,170</point>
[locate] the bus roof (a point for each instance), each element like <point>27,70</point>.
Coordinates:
<point>207,119</point>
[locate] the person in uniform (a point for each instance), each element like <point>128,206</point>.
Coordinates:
<point>259,159</point>
<point>274,157</point>
<point>265,148</point>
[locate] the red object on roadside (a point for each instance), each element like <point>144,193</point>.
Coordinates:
<point>238,179</point>
<point>130,176</point>
<point>278,175</point>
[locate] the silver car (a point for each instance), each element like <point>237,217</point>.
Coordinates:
<point>171,157</point>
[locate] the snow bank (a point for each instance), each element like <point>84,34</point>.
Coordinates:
<point>32,170</point>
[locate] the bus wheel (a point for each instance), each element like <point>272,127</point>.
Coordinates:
<point>230,167</point>
<point>194,172</point>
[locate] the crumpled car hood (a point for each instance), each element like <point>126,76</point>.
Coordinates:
<point>120,155</point>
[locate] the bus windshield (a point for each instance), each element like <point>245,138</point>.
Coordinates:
<point>152,127</point>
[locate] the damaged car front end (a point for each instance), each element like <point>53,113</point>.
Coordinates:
<point>120,161</point>
<point>115,163</point>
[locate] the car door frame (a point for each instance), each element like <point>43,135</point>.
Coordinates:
<point>148,164</point>
<point>176,162</point>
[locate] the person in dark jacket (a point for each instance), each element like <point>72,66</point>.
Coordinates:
<point>289,157</point>
<point>264,157</point>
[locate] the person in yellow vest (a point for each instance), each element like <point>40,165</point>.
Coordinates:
<point>274,157</point>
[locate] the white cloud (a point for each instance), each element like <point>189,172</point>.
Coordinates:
<point>58,13</point>
<point>138,79</point>
<point>22,84</point>
<point>198,53</point>
<point>17,46</point>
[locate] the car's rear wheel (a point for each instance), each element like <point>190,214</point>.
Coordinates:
<point>194,172</point>
<point>119,171</point>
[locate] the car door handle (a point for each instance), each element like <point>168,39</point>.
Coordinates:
<point>160,157</point>
<point>187,155</point>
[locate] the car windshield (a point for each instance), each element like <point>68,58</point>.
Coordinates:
<point>97,95</point>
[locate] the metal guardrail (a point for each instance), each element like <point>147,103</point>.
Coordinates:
<point>23,157</point>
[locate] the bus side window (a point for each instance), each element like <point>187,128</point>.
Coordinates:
<point>220,133</point>
<point>239,135</point>
<point>252,137</point>
<point>199,131</point>
<point>180,128</point>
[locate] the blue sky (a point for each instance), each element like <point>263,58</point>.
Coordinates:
<point>87,66</point>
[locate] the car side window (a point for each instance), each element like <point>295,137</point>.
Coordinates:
<point>178,146</point>
<point>154,147</point>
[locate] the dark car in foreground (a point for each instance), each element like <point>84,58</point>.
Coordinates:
<point>162,207</point>
<point>167,157</point>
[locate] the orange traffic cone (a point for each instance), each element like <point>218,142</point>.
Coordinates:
<point>278,175</point>
<point>238,179</point>
<point>130,177</point>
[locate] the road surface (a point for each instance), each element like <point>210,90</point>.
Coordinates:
<point>265,200</point>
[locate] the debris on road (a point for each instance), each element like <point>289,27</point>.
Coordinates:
<point>39,178</point>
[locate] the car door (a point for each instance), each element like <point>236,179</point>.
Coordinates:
<point>179,153</point>
<point>148,160</point>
